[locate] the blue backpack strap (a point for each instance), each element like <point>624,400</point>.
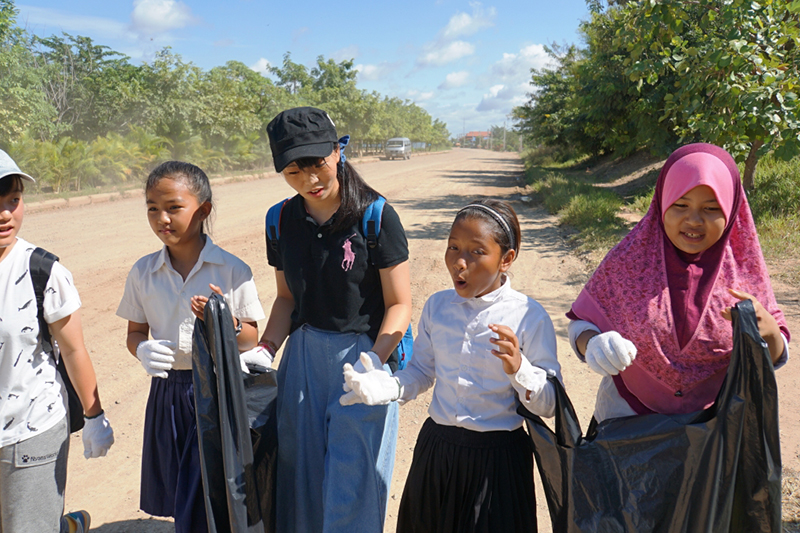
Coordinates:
<point>371,222</point>
<point>405,350</point>
<point>371,227</point>
<point>273,223</point>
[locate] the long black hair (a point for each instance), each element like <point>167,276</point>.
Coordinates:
<point>354,192</point>
<point>194,178</point>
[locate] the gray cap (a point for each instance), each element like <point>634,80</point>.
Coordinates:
<point>9,168</point>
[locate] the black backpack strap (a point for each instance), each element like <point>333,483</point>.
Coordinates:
<point>41,264</point>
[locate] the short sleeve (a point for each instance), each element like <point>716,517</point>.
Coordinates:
<point>131,308</point>
<point>392,246</point>
<point>60,295</point>
<point>245,304</point>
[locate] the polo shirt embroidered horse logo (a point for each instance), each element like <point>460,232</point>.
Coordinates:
<point>349,256</point>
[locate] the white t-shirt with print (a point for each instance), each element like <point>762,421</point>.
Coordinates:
<point>30,389</point>
<point>156,295</point>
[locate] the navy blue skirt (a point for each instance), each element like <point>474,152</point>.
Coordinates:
<point>171,481</point>
<point>464,481</point>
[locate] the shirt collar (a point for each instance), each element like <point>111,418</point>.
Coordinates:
<point>487,298</point>
<point>299,211</point>
<point>211,253</point>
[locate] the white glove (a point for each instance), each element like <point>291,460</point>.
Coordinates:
<point>97,436</point>
<point>156,356</point>
<point>372,387</point>
<point>609,353</point>
<point>256,356</point>
<point>360,368</point>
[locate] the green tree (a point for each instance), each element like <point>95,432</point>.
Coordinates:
<point>730,70</point>
<point>329,74</point>
<point>167,101</point>
<point>292,76</point>
<point>73,81</point>
<point>23,106</point>
<point>552,116</point>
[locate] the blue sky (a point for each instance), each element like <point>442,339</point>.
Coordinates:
<point>466,63</point>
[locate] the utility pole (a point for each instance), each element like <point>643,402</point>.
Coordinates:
<point>504,135</point>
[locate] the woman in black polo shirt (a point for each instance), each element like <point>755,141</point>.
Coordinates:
<point>336,297</point>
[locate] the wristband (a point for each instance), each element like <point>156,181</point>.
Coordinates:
<point>270,346</point>
<point>95,416</point>
<point>399,388</point>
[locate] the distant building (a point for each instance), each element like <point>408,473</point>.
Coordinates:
<point>474,138</point>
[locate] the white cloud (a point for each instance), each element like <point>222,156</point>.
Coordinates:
<point>515,68</point>
<point>502,97</point>
<point>448,47</point>
<point>419,96</point>
<point>345,54</point>
<point>440,54</point>
<point>377,72</point>
<point>154,17</point>
<point>455,79</point>
<point>462,24</point>
<point>262,66</point>
<point>84,25</point>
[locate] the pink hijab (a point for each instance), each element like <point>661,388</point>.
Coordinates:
<point>667,302</point>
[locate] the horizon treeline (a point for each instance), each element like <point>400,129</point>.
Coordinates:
<point>78,114</point>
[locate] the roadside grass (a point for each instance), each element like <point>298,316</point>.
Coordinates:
<point>592,214</point>
<point>775,203</point>
<point>791,501</point>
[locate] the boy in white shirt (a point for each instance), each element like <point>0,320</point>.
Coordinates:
<point>34,432</point>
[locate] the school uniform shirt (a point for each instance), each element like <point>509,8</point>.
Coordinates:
<point>157,295</point>
<point>333,275</point>
<point>30,388</point>
<point>452,347</point>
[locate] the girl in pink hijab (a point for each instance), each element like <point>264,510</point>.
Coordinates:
<point>654,319</point>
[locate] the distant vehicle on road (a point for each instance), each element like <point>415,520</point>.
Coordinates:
<point>398,147</point>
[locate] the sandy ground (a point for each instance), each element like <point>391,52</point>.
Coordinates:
<point>99,244</point>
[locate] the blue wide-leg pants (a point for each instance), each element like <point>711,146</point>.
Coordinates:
<point>334,462</point>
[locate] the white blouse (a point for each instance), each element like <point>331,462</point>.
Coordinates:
<point>156,295</point>
<point>452,347</point>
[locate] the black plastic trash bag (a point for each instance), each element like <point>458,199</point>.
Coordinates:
<point>236,428</point>
<point>716,470</point>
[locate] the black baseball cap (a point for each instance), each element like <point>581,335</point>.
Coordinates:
<point>300,132</point>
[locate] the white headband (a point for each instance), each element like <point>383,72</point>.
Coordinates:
<point>499,218</point>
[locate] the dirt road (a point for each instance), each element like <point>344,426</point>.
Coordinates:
<point>99,244</point>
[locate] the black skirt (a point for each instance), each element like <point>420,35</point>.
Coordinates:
<point>468,481</point>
